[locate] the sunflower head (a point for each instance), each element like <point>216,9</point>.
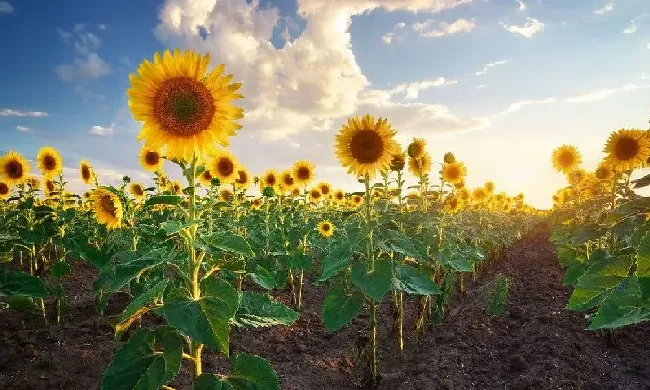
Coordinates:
<point>464,195</point>
<point>566,158</point>
<point>451,204</point>
<point>416,148</point>
<point>325,189</point>
<point>86,172</point>
<point>577,176</point>
<point>49,162</point>
<point>206,178</point>
<point>453,172</point>
<point>449,158</point>
<point>356,200</point>
<point>5,190</point>
<point>366,146</point>
<point>175,187</point>
<point>604,171</point>
<point>627,149</point>
<point>33,182</point>
<point>398,162</point>
<point>242,178</point>
<point>269,179</point>
<point>108,208</point>
<point>459,184</point>
<point>295,192</point>
<point>479,194</point>
<point>303,173</point>
<point>13,168</point>
<point>489,187</point>
<point>184,109</point>
<point>339,196</point>
<point>315,195</point>
<point>49,187</point>
<point>136,190</point>
<point>326,228</point>
<point>223,166</point>
<point>256,203</point>
<point>225,195</point>
<point>286,181</point>
<point>420,166</point>
<point>151,159</point>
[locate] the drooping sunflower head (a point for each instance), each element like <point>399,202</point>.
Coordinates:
<point>303,173</point>
<point>184,109</point>
<point>398,162</point>
<point>453,172</point>
<point>325,189</point>
<point>225,195</point>
<point>206,178</point>
<point>339,196</point>
<point>49,162</point>
<point>604,171</point>
<point>5,190</point>
<point>151,159</point>
<point>223,166</point>
<point>627,149</point>
<point>108,208</point>
<point>315,196</point>
<point>326,228</point>
<point>566,158</point>
<point>269,179</point>
<point>489,187</point>
<point>366,146</point>
<point>137,190</point>
<point>243,178</point>
<point>86,172</point>
<point>449,158</point>
<point>286,181</point>
<point>13,168</point>
<point>416,148</point>
<point>420,166</point>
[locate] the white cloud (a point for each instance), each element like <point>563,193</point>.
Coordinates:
<point>631,29</point>
<point>532,27</point>
<point>412,90</point>
<point>22,128</point>
<point>93,67</point>
<point>5,7</point>
<point>388,38</point>
<point>103,131</point>
<point>609,7</point>
<point>431,29</point>
<point>481,86</point>
<point>603,93</point>
<point>522,6</point>
<point>101,27</point>
<point>84,42</point>
<point>644,76</point>
<point>400,25</point>
<point>514,107</point>
<point>11,112</point>
<point>487,67</point>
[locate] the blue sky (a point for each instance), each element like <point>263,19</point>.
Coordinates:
<point>501,82</point>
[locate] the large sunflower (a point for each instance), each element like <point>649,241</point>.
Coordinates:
<point>223,165</point>
<point>325,228</point>
<point>13,168</point>
<point>287,182</point>
<point>366,146</point>
<point>86,172</point>
<point>627,149</point>
<point>269,179</point>
<point>5,190</point>
<point>243,178</point>
<point>184,108</point>
<point>49,162</point>
<point>303,173</point>
<point>108,208</point>
<point>137,190</point>
<point>416,148</point>
<point>151,159</point>
<point>420,166</point>
<point>566,158</point>
<point>454,172</point>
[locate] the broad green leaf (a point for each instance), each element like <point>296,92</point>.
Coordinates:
<point>602,276</point>
<point>643,257</point>
<point>612,316</point>
<point>149,360</point>
<point>413,281</point>
<point>250,372</point>
<point>263,277</point>
<point>205,320</point>
<point>208,381</point>
<point>374,284</point>
<point>335,261</point>
<point>163,199</point>
<point>22,303</point>
<point>586,233</point>
<point>457,261</point>
<point>408,246</point>
<point>229,242</point>
<point>261,310</point>
<point>21,283</point>
<point>573,273</point>
<point>60,269</point>
<point>139,306</point>
<point>340,307</point>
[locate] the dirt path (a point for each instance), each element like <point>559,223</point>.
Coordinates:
<point>536,344</point>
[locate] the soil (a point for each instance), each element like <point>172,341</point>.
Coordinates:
<point>535,344</point>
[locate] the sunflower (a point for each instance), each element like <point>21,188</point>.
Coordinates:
<point>420,166</point>
<point>269,179</point>
<point>49,187</point>
<point>627,149</point>
<point>459,185</point>
<point>451,204</point>
<point>454,172</point>
<point>356,200</point>
<point>184,109</point>
<point>286,181</point>
<point>577,176</point>
<point>86,172</point>
<point>256,204</point>
<point>175,187</point>
<point>206,178</point>
<point>489,187</point>
<point>151,159</point>
<point>315,195</point>
<point>295,192</point>
<point>13,168</point>
<point>449,158</point>
<point>49,162</point>
<point>242,179</point>
<point>398,162</point>
<point>479,194</point>
<point>223,166</point>
<point>339,196</point>
<point>108,208</point>
<point>464,195</point>
<point>325,228</point>
<point>365,146</point>
<point>566,158</point>
<point>303,173</point>
<point>137,190</point>
<point>325,189</point>
<point>33,182</point>
<point>604,171</point>
<point>416,148</point>
<point>225,195</point>
<point>5,190</point>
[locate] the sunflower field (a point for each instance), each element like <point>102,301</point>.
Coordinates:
<point>226,250</point>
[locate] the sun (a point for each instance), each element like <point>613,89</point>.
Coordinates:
<point>13,168</point>
<point>566,158</point>
<point>151,159</point>
<point>325,228</point>
<point>303,173</point>
<point>108,208</point>
<point>223,166</point>
<point>366,146</point>
<point>184,109</point>
<point>627,149</point>
<point>86,172</point>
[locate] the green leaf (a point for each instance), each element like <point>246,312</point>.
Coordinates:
<point>612,316</point>
<point>261,310</point>
<point>455,260</point>
<point>60,269</point>
<point>207,381</point>
<point>408,246</point>
<point>163,199</point>
<point>250,372</point>
<point>205,320</point>
<point>602,276</point>
<point>374,284</point>
<point>21,283</point>
<point>642,182</point>
<point>139,306</point>
<point>229,242</point>
<point>643,257</point>
<point>335,261</point>
<point>340,307</point>
<point>413,281</point>
<point>149,360</point>
<point>573,273</point>
<point>22,303</point>
<point>263,277</point>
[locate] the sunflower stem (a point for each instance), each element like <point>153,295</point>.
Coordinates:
<point>371,268</point>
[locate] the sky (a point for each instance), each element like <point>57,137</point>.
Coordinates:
<point>500,83</point>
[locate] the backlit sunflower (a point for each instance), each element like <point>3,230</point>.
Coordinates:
<point>627,149</point>
<point>452,204</point>
<point>151,159</point>
<point>184,109</point>
<point>449,158</point>
<point>479,194</point>
<point>339,196</point>
<point>464,195</point>
<point>366,146</point>
<point>303,173</point>
<point>206,178</point>
<point>269,179</point>
<point>223,166</point>
<point>420,166</point>
<point>460,184</point>
<point>5,190</point>
<point>13,168</point>
<point>416,148</point>
<point>325,189</point>
<point>566,158</point>
<point>604,171</point>
<point>242,178</point>
<point>108,208</point>
<point>49,162</point>
<point>326,229</point>
<point>137,190</point>
<point>286,181</point>
<point>489,187</point>
<point>454,172</point>
<point>175,187</point>
<point>315,196</point>
<point>398,162</point>
<point>577,176</point>
<point>86,172</point>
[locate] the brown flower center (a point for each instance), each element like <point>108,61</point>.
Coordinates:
<point>325,190</point>
<point>626,148</point>
<point>315,194</point>
<point>85,172</point>
<point>14,169</point>
<point>366,146</point>
<point>566,159</point>
<point>152,158</point>
<point>287,180</point>
<point>50,186</point>
<point>184,106</point>
<point>137,190</point>
<point>225,166</point>
<point>207,175</point>
<point>453,173</point>
<point>49,162</point>
<point>304,173</point>
<point>107,204</point>
<point>270,180</point>
<point>326,227</point>
<point>415,149</point>
<point>4,189</point>
<point>339,196</point>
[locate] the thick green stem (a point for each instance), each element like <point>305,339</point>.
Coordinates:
<point>371,268</point>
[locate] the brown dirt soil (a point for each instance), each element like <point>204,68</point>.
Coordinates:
<point>536,344</point>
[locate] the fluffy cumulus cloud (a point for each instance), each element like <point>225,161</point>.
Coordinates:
<point>432,29</point>
<point>528,30</point>
<point>92,67</point>
<point>6,8</point>
<point>22,128</point>
<point>312,83</point>
<point>102,131</point>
